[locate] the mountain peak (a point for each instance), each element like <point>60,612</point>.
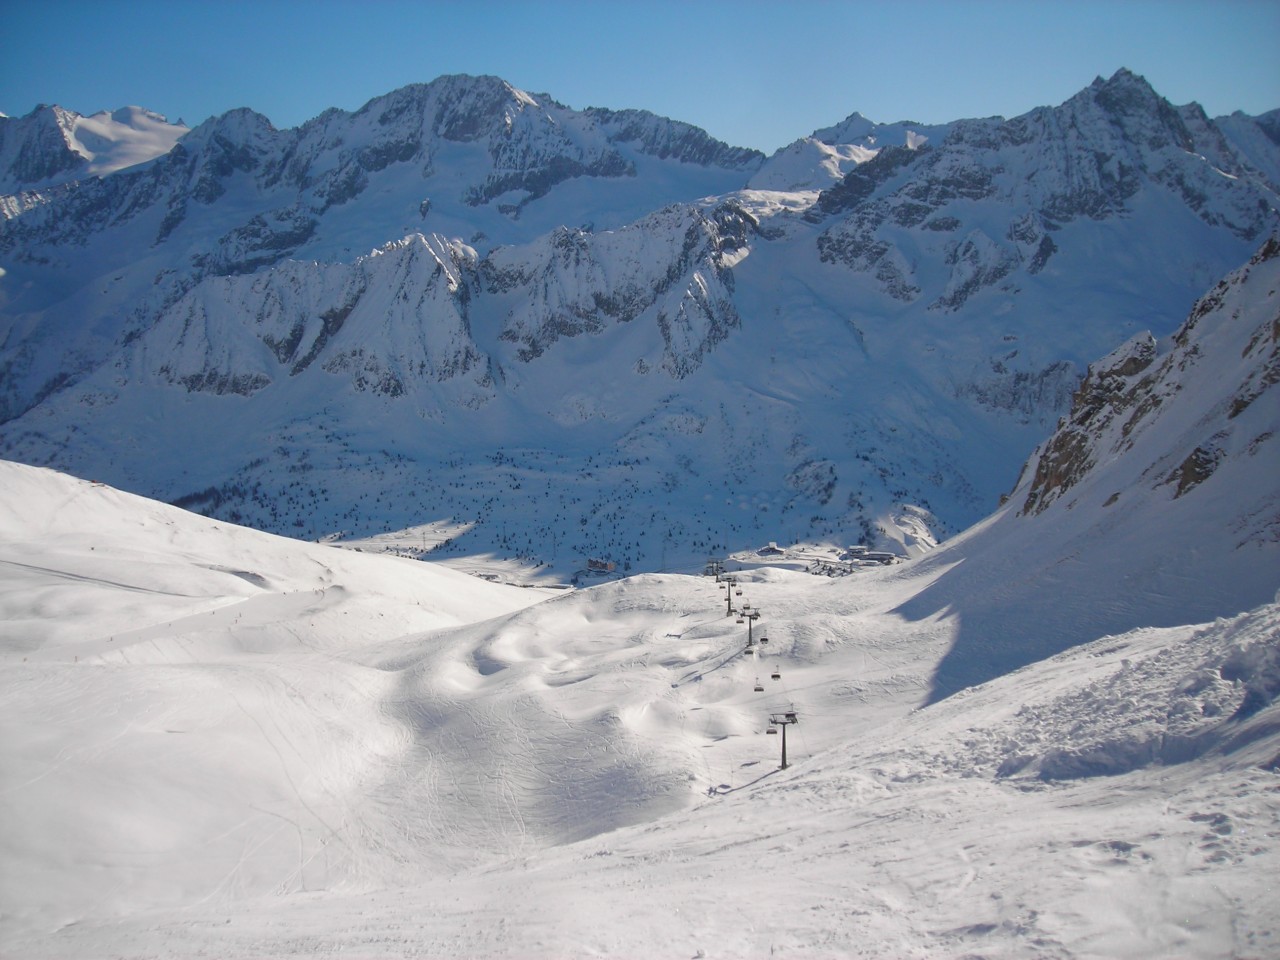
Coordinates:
<point>38,149</point>
<point>52,145</point>
<point>1122,77</point>
<point>458,107</point>
<point>1128,95</point>
<point>857,130</point>
<point>237,125</point>
<point>1124,87</point>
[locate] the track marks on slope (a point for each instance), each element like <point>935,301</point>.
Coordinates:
<point>564,717</point>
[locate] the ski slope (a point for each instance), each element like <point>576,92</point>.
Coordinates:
<point>225,743</point>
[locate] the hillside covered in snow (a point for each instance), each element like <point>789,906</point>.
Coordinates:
<point>1056,734</point>
<point>525,336</point>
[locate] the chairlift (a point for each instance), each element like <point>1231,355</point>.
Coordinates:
<point>738,591</point>
<point>777,674</point>
<point>789,716</point>
<point>740,620</point>
<point>759,686</point>
<point>772,730</point>
<point>764,639</point>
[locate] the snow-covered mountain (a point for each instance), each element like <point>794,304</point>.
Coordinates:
<point>826,156</point>
<point>598,333</point>
<point>51,146</point>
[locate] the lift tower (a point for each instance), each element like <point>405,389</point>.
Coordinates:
<point>782,720</point>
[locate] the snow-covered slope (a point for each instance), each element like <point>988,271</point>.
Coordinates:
<point>1156,502</point>
<point>222,742</point>
<point>826,156</point>
<point>576,321</point>
<point>50,145</point>
<point>185,641</point>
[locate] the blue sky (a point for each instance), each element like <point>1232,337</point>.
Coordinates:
<point>756,74</point>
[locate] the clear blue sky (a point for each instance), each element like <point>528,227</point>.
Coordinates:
<point>754,73</point>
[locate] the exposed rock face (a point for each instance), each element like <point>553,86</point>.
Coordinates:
<point>1186,405</point>
<point>1108,392</point>
<point>264,240</point>
<point>36,148</point>
<point>1024,394</point>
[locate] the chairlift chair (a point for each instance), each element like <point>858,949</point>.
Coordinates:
<point>772,730</point>
<point>764,640</point>
<point>777,674</point>
<point>759,686</point>
<point>740,620</point>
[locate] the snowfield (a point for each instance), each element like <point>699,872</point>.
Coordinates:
<point>219,742</point>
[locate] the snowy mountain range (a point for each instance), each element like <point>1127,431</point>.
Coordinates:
<point>540,335</point>
<point>1056,734</point>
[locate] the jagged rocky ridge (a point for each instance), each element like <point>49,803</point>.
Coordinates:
<point>1208,397</point>
<point>865,355</point>
<point>1089,158</point>
<point>526,146</point>
<point>414,300</point>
